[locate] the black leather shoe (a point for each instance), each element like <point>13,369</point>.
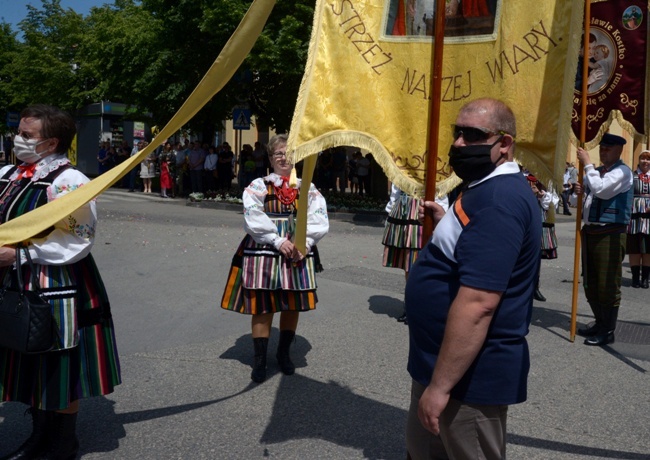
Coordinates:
<point>402,319</point>
<point>600,339</point>
<point>589,331</point>
<point>567,213</point>
<point>538,296</point>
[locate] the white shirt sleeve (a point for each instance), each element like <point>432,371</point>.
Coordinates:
<point>618,180</point>
<point>548,199</point>
<point>394,194</point>
<point>317,220</point>
<point>256,223</point>
<point>72,238</point>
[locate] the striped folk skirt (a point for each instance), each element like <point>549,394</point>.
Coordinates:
<point>402,234</point>
<point>262,281</point>
<point>53,380</point>
<point>549,241</point>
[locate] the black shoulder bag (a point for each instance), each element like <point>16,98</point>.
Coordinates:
<point>26,323</point>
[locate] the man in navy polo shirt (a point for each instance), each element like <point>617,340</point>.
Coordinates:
<point>469,296</point>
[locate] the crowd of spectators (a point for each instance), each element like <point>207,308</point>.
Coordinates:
<point>197,167</point>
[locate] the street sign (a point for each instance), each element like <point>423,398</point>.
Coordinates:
<point>241,119</point>
<point>13,119</point>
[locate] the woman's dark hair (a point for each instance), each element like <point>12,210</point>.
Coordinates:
<point>55,124</point>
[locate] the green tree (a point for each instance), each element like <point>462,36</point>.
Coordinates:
<point>41,66</point>
<point>277,63</point>
<point>8,44</point>
<point>151,54</point>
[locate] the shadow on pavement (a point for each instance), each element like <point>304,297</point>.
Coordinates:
<point>99,428</point>
<point>565,447</point>
<point>385,305</point>
<point>308,409</point>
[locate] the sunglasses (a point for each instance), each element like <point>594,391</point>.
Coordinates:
<point>471,134</point>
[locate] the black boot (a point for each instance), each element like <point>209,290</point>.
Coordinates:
<point>284,360</point>
<point>38,442</point>
<point>636,271</point>
<point>259,366</point>
<point>589,330</point>
<point>606,333</point>
<point>537,295</point>
<point>65,444</point>
<point>645,274</point>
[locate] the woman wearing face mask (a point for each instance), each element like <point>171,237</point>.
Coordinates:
<point>85,362</point>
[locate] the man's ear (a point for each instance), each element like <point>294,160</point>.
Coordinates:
<point>506,143</point>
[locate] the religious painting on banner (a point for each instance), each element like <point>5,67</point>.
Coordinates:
<point>617,70</point>
<point>367,79</point>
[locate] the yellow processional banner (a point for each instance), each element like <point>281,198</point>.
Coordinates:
<point>367,79</point>
<point>223,68</point>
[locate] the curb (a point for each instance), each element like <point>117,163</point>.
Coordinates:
<point>373,217</point>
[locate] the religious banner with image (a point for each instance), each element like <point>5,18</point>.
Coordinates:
<point>618,34</point>
<point>367,79</point>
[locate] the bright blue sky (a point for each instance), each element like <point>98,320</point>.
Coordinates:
<point>14,11</point>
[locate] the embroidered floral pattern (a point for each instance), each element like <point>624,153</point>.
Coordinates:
<point>249,209</point>
<point>257,187</point>
<point>322,212</point>
<point>57,190</point>
<point>82,230</point>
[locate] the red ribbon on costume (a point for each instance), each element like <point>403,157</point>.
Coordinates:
<point>26,171</point>
<point>286,194</point>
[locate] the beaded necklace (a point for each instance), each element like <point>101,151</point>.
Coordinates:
<point>286,194</point>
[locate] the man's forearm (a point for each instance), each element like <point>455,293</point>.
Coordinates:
<point>468,321</point>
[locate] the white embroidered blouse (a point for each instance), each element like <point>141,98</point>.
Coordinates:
<point>73,237</point>
<point>264,231</point>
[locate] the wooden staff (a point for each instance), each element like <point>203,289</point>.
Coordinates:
<point>583,135</point>
<point>434,114</point>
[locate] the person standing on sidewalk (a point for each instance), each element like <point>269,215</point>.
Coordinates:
<point>86,363</point>
<point>638,231</point>
<point>570,178</point>
<point>607,194</point>
<point>469,296</point>
<point>402,238</point>
<point>268,274</point>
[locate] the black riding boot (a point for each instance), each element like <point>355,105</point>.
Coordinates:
<point>37,443</point>
<point>260,345</point>
<point>636,272</point>
<point>65,444</point>
<point>284,360</point>
<point>606,334</point>
<point>645,275</point>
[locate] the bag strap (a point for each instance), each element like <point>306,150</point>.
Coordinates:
<point>36,286</point>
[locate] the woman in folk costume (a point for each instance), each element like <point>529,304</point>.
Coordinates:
<point>638,230</point>
<point>402,238</point>
<point>84,362</point>
<point>402,234</point>
<point>268,273</point>
<point>545,199</point>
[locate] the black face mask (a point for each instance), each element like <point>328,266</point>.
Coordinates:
<point>472,162</point>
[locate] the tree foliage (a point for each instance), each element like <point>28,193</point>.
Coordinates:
<point>151,54</point>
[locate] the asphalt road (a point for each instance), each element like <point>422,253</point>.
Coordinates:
<point>187,394</point>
